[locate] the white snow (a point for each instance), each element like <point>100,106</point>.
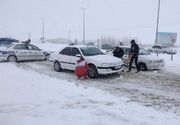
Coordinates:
<point>172,65</point>
<point>52,47</point>
<point>28,98</point>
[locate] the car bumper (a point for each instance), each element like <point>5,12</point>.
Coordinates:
<point>3,58</point>
<point>109,70</point>
<point>156,65</point>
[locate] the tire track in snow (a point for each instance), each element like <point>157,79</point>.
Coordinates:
<point>157,89</point>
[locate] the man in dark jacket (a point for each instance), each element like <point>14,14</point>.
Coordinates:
<point>133,53</point>
<point>118,52</point>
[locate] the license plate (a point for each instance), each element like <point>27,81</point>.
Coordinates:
<point>118,67</point>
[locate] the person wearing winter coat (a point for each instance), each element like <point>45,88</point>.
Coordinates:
<point>133,54</point>
<point>81,68</point>
<point>118,52</point>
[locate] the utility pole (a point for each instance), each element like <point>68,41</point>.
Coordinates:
<point>157,24</point>
<point>69,36</point>
<point>43,38</point>
<point>83,9</point>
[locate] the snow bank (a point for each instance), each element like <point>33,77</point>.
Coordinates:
<point>28,98</point>
<point>52,47</point>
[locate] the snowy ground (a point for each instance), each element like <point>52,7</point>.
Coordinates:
<point>33,93</point>
<point>30,98</point>
<point>172,66</point>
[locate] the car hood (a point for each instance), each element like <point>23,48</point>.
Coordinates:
<point>103,59</point>
<point>149,57</point>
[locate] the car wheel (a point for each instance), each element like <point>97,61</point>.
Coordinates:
<point>142,66</point>
<point>92,71</point>
<point>47,57</point>
<point>12,59</point>
<point>57,66</point>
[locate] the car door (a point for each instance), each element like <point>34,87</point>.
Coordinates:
<point>74,58</point>
<point>21,52</point>
<point>35,53</point>
<point>65,58</point>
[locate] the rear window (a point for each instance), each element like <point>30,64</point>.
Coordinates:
<point>91,51</point>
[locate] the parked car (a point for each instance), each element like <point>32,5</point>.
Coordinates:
<point>7,41</point>
<point>145,60</point>
<point>22,52</point>
<point>161,49</point>
<point>98,62</point>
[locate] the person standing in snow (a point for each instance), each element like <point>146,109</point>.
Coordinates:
<point>133,54</point>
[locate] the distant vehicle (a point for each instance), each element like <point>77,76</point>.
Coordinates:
<point>107,47</point>
<point>7,41</point>
<point>162,50</point>
<point>99,63</point>
<point>22,52</point>
<point>145,60</point>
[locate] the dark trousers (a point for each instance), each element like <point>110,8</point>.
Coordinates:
<point>136,62</point>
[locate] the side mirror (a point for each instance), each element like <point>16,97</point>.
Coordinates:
<point>78,55</point>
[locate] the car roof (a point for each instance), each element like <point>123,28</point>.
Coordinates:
<point>17,43</point>
<point>80,46</point>
<point>124,46</point>
<point>21,43</point>
<point>157,45</point>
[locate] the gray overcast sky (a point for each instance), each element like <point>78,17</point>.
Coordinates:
<point>115,18</point>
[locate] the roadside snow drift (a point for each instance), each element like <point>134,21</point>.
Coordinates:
<point>29,98</point>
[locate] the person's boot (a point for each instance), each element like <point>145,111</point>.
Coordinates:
<point>137,71</point>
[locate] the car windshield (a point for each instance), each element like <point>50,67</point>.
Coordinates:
<point>142,51</point>
<point>91,51</point>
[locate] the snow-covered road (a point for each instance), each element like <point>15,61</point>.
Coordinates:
<point>32,93</point>
<point>158,89</point>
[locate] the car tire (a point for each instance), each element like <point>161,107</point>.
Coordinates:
<point>57,66</point>
<point>92,71</point>
<point>142,66</point>
<point>12,59</point>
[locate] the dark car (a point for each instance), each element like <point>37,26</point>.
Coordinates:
<point>7,41</point>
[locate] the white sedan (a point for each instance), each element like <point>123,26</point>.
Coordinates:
<point>22,52</point>
<point>161,49</point>
<point>99,63</point>
<point>145,59</point>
